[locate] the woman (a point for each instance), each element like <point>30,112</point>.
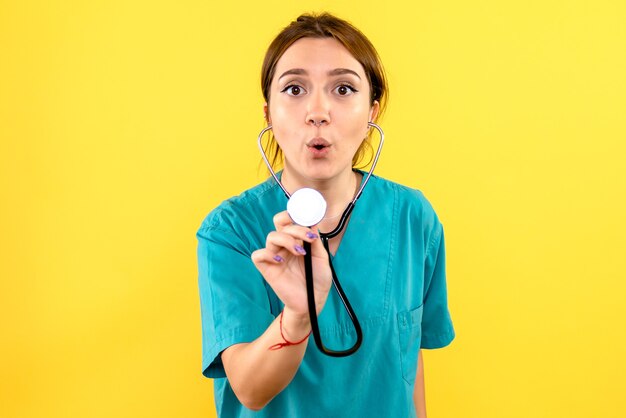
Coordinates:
<point>323,82</point>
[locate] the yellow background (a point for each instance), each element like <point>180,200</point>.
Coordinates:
<point>122,123</point>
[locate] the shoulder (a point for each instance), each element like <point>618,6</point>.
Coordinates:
<point>411,207</point>
<point>407,199</point>
<point>243,214</point>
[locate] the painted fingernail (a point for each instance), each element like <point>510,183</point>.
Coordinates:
<point>300,249</point>
<point>311,235</point>
<point>278,258</point>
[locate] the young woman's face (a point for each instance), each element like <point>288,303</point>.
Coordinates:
<point>319,108</point>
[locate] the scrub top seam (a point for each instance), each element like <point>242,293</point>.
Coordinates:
<point>434,341</point>
<point>394,232</point>
<point>233,332</point>
<point>244,199</point>
<point>435,239</point>
<point>346,327</point>
<point>243,251</point>
<point>241,334</point>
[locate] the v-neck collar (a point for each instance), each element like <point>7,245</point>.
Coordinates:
<point>355,214</point>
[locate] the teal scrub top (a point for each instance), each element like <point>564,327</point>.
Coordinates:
<point>391,265</point>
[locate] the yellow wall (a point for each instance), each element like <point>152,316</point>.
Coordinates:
<point>122,123</point>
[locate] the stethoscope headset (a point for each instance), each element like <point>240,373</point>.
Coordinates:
<point>307,207</point>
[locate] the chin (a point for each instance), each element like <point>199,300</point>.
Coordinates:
<point>323,173</point>
<point>318,170</point>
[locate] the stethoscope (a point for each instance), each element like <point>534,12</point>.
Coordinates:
<point>307,207</point>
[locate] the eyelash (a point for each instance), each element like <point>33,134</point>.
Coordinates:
<point>350,87</point>
<point>291,86</point>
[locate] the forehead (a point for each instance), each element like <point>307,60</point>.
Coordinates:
<point>317,55</point>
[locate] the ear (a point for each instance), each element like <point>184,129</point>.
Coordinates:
<point>266,113</point>
<point>374,111</point>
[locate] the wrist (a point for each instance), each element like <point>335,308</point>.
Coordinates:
<point>295,325</point>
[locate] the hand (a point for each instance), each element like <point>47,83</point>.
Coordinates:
<point>281,263</point>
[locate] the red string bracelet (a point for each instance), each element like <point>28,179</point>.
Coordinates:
<point>287,342</point>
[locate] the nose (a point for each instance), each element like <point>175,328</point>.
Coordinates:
<point>316,122</point>
<point>318,110</point>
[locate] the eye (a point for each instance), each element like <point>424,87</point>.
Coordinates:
<point>293,90</point>
<point>345,90</point>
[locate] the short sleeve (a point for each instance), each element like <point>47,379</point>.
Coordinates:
<point>234,302</point>
<point>437,328</point>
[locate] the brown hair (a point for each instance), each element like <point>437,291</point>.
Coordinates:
<point>326,25</point>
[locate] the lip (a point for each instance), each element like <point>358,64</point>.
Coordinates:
<point>319,141</point>
<point>318,147</point>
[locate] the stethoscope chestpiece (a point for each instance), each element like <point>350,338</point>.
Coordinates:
<point>306,207</point>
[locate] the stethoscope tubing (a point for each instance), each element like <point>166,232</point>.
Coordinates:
<point>325,237</point>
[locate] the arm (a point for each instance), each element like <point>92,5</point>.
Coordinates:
<point>255,373</point>
<point>419,395</point>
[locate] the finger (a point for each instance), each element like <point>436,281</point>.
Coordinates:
<point>277,241</point>
<point>264,256</point>
<point>300,232</point>
<point>281,220</point>
<point>317,247</point>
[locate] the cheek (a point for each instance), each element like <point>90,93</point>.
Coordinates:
<point>358,116</point>
<point>284,114</point>
<point>284,123</point>
<point>283,103</point>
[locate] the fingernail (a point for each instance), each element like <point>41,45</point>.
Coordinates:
<point>311,235</point>
<point>278,258</point>
<point>300,249</point>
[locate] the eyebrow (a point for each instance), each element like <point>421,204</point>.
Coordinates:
<point>336,71</point>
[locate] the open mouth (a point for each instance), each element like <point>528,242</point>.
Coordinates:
<point>318,144</point>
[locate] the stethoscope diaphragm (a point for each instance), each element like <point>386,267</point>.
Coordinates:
<point>306,207</point>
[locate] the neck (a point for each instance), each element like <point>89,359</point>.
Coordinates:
<point>338,191</point>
